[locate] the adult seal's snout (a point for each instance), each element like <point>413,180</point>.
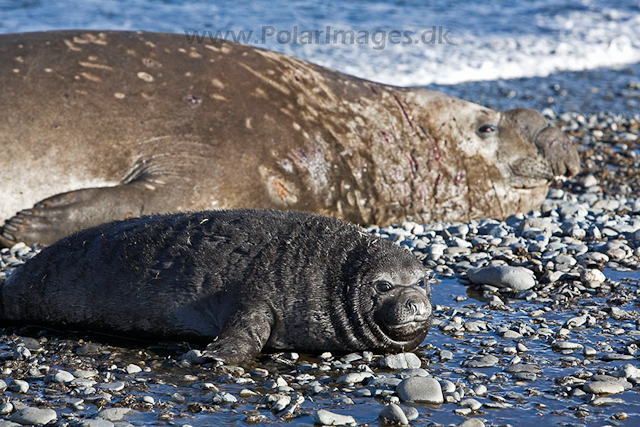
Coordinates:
<point>553,145</point>
<point>558,150</point>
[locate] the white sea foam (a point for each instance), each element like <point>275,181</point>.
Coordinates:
<point>490,41</point>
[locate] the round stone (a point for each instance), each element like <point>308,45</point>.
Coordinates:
<point>34,416</point>
<point>393,414</point>
<point>566,346</point>
<point>95,423</point>
<point>113,414</point>
<point>19,386</point>
<point>62,377</point>
<point>604,387</point>
<point>326,418</point>
<point>472,422</point>
<point>421,390</point>
<point>487,361</point>
<point>133,369</point>
<point>400,361</point>
<point>503,276</point>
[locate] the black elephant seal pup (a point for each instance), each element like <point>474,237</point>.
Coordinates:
<point>245,281</point>
<point>99,126</point>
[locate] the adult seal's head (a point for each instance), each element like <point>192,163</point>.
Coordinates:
<point>243,281</point>
<point>504,160</point>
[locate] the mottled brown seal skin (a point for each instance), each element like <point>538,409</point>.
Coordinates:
<point>98,126</point>
<point>256,280</point>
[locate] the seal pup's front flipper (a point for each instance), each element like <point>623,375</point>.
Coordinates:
<point>62,214</point>
<point>243,337</point>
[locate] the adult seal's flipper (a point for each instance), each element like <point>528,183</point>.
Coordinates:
<point>60,215</point>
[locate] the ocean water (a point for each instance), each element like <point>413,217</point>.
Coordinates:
<point>401,42</point>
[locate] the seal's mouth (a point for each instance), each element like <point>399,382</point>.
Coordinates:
<point>417,321</point>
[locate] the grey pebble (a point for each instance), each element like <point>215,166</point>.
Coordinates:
<point>223,397</point>
<point>95,423</point>
<point>113,414</point>
<point>62,377</point>
<point>503,276</point>
<point>400,361</point>
<point>566,345</point>
<point>420,390</point>
<point>487,361</point>
<point>326,418</point>
<point>112,387</point>
<point>472,422</point>
<point>34,416</point>
<point>19,386</point>
<point>354,377</point>
<point>132,369</point>
<point>445,355</point>
<point>393,414</point>
<point>6,408</point>
<point>604,387</point>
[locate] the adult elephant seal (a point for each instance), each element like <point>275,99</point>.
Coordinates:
<point>97,126</point>
<point>254,279</point>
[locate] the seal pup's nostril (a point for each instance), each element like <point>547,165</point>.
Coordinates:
<point>417,307</point>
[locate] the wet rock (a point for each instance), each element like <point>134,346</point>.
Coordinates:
<point>34,416</point>
<point>223,397</point>
<point>604,387</point>
<point>487,361</point>
<point>6,408</point>
<point>400,361</point>
<point>354,377</point>
<point>326,418</point>
<point>394,414</point>
<point>420,390</point>
<point>503,276</point>
<point>113,414</point>
<point>19,386</point>
<point>62,377</point>
<point>566,346</point>
<point>472,422</point>
<point>95,423</point>
<point>132,369</point>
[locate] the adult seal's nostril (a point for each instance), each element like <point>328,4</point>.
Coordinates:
<point>558,150</point>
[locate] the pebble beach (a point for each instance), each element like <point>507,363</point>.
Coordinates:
<point>536,321</point>
<point>535,317</point>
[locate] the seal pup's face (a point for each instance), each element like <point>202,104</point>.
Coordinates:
<point>393,297</point>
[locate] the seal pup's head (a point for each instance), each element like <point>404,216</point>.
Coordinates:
<point>390,297</point>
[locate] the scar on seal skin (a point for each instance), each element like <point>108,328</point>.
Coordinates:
<point>245,281</point>
<point>164,126</point>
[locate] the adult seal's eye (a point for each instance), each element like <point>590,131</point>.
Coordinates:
<point>383,286</point>
<point>486,130</point>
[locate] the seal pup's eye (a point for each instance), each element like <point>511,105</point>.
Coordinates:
<point>486,130</point>
<point>383,286</point>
